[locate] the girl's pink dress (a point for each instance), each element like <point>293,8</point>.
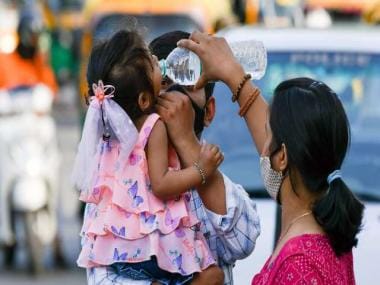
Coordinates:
<point>307,259</point>
<point>130,224</point>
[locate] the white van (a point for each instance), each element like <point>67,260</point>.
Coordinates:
<point>348,60</point>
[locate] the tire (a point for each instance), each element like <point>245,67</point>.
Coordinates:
<point>35,248</point>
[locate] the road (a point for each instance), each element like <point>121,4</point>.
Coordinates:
<point>66,115</point>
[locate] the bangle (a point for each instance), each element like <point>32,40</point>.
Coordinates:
<point>201,172</point>
<point>245,107</point>
<point>236,95</point>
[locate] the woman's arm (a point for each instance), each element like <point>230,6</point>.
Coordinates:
<point>169,184</point>
<point>256,115</point>
<point>218,63</point>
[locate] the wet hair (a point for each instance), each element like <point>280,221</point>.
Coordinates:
<point>123,61</point>
<point>164,44</point>
<point>308,117</point>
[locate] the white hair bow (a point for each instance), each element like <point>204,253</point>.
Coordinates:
<point>103,116</point>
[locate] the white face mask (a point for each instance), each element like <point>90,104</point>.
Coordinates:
<point>272,178</point>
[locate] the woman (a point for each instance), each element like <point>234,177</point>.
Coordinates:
<point>303,143</point>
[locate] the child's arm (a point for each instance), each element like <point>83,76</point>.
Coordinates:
<point>169,184</point>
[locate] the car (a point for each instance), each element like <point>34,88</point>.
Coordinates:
<point>348,60</point>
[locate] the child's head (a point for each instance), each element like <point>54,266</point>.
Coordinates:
<point>125,62</point>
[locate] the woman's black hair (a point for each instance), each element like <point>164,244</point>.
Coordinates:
<point>308,117</point>
<point>123,61</point>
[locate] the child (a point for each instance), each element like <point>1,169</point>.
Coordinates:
<point>142,224</point>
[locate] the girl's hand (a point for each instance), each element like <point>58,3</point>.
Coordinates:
<point>176,111</point>
<point>218,62</point>
<point>210,158</point>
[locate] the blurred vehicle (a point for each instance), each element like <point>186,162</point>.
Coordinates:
<point>29,164</point>
<point>348,60</point>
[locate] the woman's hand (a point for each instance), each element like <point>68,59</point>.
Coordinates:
<point>218,62</point>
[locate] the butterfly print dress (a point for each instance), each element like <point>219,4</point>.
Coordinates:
<point>130,224</point>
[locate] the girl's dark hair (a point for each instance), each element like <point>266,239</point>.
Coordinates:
<point>307,116</point>
<point>124,62</point>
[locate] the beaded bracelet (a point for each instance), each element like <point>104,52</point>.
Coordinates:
<point>201,172</point>
<point>236,95</point>
<point>245,107</point>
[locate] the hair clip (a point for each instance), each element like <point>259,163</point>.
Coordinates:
<point>102,91</point>
<point>316,84</point>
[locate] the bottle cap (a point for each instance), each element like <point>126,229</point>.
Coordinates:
<point>162,64</point>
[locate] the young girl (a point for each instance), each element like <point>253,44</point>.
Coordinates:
<point>141,223</point>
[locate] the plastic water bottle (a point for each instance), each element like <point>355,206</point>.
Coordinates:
<point>184,67</point>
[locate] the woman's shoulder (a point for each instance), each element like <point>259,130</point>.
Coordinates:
<point>314,253</point>
<point>309,246</point>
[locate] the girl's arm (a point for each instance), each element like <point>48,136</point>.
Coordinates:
<point>169,184</point>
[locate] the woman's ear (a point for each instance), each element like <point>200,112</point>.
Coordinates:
<point>145,101</point>
<point>283,158</point>
<point>210,110</point>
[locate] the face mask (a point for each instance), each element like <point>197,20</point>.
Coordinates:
<point>272,178</point>
<point>199,118</point>
<point>199,112</point>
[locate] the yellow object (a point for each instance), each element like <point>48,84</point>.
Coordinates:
<point>252,11</point>
<point>357,90</point>
<point>371,13</point>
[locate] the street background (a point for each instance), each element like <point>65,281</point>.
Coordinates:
<point>66,116</point>
<point>71,25</point>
